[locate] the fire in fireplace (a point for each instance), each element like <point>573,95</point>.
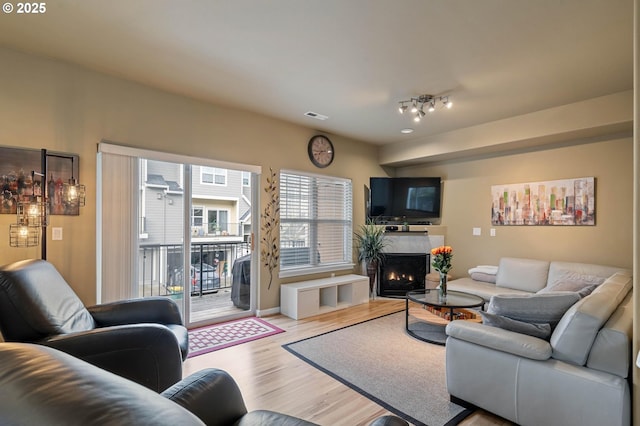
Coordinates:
<point>402,272</point>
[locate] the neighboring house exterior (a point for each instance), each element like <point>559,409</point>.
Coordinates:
<point>220,221</point>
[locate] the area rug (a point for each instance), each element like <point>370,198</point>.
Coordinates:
<point>219,336</point>
<point>378,359</point>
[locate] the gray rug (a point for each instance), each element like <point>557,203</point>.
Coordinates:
<point>379,360</point>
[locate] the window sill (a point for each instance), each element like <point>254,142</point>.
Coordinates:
<point>315,270</point>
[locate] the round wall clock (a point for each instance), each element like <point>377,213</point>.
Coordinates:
<point>320,151</point>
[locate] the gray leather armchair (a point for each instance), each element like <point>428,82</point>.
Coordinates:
<point>41,385</point>
<point>143,340</point>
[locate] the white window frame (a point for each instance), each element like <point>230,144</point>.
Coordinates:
<point>246,179</point>
<point>215,174</point>
<point>193,216</point>
<point>346,235</point>
<point>217,210</point>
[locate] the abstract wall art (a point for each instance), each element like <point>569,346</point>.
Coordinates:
<point>555,202</point>
<point>18,182</point>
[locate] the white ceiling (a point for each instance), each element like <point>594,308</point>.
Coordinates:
<point>351,60</point>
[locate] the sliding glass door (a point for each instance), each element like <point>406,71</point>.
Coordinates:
<point>220,231</point>
<point>188,228</point>
<point>161,243</point>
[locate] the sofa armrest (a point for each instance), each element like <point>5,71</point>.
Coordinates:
<point>158,310</point>
<point>211,394</point>
<point>147,354</point>
<point>499,339</point>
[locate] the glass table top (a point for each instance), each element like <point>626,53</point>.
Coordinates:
<point>455,299</point>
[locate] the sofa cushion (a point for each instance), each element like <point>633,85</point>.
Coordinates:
<point>37,302</point>
<point>582,288</point>
<point>43,386</point>
<point>542,331</point>
<point>546,308</point>
<point>522,274</point>
<point>481,288</point>
<point>612,348</point>
<point>585,273</point>
<point>573,337</point>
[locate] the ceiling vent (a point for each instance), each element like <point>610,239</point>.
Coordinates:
<point>316,115</point>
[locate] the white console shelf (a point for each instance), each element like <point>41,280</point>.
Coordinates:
<point>307,298</point>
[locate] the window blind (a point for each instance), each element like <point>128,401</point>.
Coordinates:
<point>315,221</point>
<point>117,226</point>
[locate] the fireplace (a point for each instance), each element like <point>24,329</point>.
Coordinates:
<point>402,272</point>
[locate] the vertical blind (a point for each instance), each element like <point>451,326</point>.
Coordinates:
<point>315,221</point>
<point>117,227</point>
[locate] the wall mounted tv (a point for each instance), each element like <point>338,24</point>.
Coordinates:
<point>404,199</point>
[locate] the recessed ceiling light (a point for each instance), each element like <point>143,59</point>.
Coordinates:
<point>406,131</point>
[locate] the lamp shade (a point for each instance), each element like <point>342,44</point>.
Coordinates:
<point>74,192</point>
<point>23,235</point>
<point>34,213</point>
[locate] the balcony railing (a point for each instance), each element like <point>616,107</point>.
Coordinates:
<point>162,272</point>
<point>217,230</point>
<point>203,231</point>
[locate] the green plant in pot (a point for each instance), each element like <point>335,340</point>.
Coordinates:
<point>370,243</point>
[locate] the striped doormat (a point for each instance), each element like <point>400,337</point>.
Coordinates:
<point>219,336</point>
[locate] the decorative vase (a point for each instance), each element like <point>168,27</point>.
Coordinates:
<point>372,270</point>
<point>442,288</point>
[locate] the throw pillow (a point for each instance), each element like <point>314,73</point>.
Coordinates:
<point>545,308</point>
<point>481,276</point>
<point>541,331</point>
<point>582,288</point>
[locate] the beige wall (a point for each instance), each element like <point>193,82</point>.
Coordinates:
<point>53,105</point>
<point>467,204</point>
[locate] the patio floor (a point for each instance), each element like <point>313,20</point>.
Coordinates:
<point>213,305</point>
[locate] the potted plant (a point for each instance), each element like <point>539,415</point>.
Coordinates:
<point>370,243</point>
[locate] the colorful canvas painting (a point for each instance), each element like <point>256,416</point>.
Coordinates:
<point>556,202</point>
<point>20,179</point>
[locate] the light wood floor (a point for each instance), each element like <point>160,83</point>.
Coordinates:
<point>271,378</point>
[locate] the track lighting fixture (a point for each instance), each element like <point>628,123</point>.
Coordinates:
<point>418,104</point>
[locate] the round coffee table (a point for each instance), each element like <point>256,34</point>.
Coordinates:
<point>427,316</point>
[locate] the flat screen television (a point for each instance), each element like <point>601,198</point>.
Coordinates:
<point>404,199</point>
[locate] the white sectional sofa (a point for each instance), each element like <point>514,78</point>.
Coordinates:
<point>526,276</point>
<point>579,376</point>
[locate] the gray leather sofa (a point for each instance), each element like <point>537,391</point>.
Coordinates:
<point>579,377</point>
<point>44,386</point>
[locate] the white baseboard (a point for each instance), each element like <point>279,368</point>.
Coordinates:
<point>266,312</point>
